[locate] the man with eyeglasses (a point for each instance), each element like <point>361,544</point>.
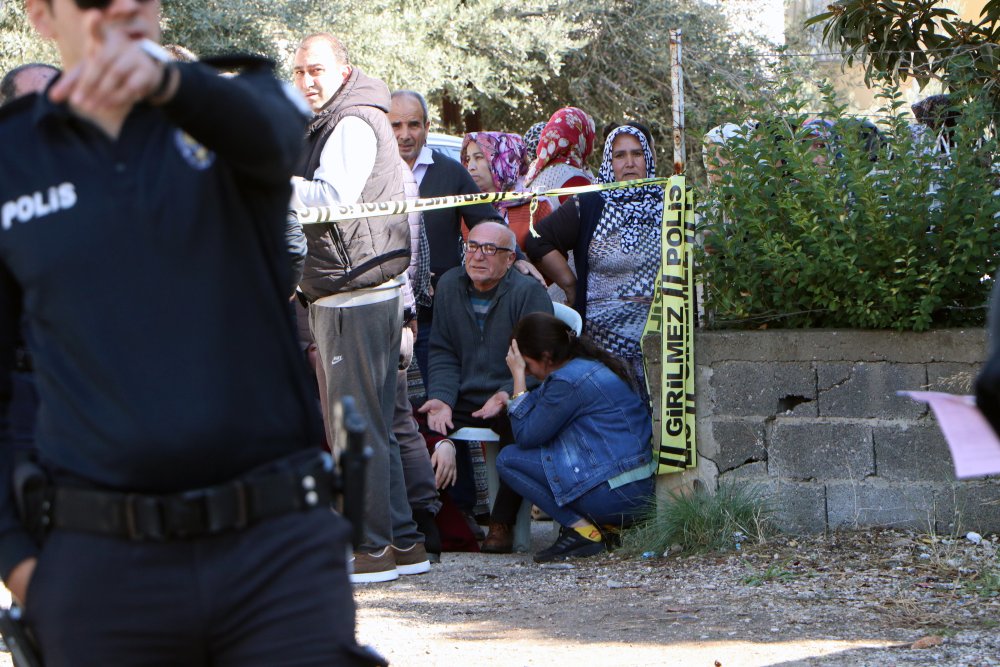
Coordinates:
<point>475,309</point>
<point>180,510</point>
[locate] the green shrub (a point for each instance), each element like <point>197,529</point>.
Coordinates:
<point>703,521</point>
<point>902,243</point>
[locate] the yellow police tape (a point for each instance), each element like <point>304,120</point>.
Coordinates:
<point>323,214</point>
<point>671,314</point>
<point>672,317</point>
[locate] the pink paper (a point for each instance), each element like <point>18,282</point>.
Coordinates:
<point>975,447</point>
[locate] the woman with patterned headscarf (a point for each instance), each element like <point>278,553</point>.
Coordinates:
<point>566,143</point>
<point>496,162</point>
<point>615,239</point>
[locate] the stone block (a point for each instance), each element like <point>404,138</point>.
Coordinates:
<point>944,345</point>
<point>977,506</point>
<point>874,503</point>
<point>703,398</point>
<point>832,374</point>
<point>797,508</point>
<point>952,378</point>
<point>743,389</point>
<point>912,451</point>
<point>751,472</point>
<point>804,450</point>
<point>738,443</point>
<point>793,507</point>
<point>868,390</point>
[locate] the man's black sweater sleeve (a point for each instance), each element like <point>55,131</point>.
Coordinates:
<point>557,231</point>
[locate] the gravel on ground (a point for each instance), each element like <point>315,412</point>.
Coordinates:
<point>873,597</point>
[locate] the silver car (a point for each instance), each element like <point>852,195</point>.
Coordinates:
<point>446,145</point>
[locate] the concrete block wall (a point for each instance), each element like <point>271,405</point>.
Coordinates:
<point>812,417</point>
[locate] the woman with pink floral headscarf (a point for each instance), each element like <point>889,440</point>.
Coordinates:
<point>566,143</point>
<point>496,161</point>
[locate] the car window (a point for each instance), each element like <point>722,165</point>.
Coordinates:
<point>446,145</point>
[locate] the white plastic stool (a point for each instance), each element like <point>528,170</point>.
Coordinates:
<point>491,440</point>
<point>569,316</point>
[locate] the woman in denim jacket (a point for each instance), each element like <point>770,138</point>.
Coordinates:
<point>583,451</point>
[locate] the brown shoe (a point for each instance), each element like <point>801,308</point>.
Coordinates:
<point>371,568</point>
<point>500,539</point>
<point>411,560</point>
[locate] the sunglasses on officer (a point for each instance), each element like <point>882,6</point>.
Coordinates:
<point>97,4</point>
<point>489,249</point>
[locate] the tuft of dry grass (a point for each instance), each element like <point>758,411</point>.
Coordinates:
<point>703,521</point>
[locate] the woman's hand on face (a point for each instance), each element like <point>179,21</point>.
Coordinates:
<point>515,362</point>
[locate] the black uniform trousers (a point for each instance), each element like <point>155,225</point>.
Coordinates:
<point>275,593</point>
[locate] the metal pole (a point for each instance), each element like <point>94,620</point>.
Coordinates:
<point>677,95</point>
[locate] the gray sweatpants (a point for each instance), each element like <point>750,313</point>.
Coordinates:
<point>358,350</point>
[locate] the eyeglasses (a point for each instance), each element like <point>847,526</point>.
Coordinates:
<point>97,4</point>
<point>489,249</point>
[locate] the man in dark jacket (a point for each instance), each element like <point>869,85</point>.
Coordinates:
<point>353,277</point>
<point>476,308</point>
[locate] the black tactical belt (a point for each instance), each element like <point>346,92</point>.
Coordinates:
<point>193,514</point>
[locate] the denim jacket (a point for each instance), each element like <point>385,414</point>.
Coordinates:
<point>591,425</point>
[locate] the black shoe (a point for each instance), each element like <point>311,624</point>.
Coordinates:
<point>478,532</point>
<point>432,537</point>
<point>570,544</point>
<point>612,536</point>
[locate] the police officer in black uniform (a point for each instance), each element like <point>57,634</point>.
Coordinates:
<point>184,518</point>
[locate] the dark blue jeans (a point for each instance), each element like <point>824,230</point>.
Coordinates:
<point>522,470</point>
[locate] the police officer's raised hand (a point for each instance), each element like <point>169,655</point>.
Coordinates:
<point>20,577</point>
<point>115,69</point>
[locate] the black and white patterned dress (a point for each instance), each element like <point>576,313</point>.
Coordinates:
<point>623,260</point>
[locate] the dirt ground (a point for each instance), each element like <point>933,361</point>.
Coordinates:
<point>861,598</point>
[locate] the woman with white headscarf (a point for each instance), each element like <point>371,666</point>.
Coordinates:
<point>615,239</point>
